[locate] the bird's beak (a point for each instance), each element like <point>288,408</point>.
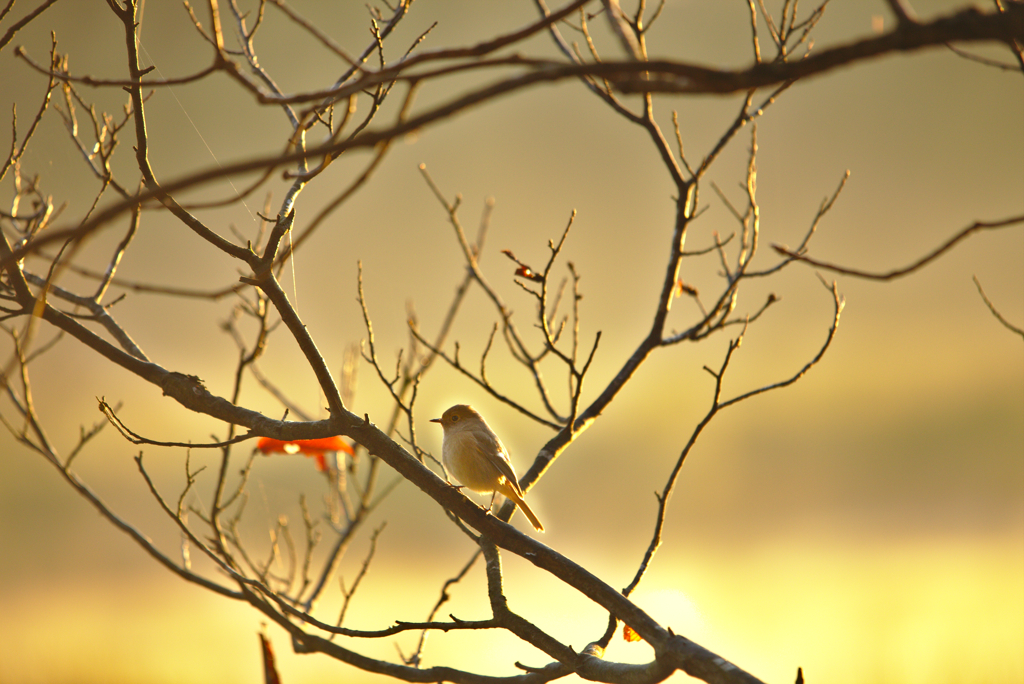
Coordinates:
<point>435,420</point>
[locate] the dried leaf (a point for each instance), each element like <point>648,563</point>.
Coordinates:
<point>308,447</point>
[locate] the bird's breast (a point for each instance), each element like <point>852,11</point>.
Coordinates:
<point>466,461</point>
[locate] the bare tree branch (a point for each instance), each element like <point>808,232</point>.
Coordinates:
<point>995,312</point>
<point>287,575</point>
<point>899,272</point>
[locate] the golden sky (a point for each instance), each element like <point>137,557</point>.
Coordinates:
<point>866,523</point>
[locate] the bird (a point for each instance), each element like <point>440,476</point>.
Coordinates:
<point>473,453</point>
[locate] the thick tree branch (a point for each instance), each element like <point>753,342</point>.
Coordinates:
<point>969,25</point>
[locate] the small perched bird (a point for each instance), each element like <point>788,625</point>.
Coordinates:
<point>476,457</point>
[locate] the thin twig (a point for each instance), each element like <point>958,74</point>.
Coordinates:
<point>899,272</point>
<point>995,312</point>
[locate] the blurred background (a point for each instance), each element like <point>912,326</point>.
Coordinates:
<point>866,523</point>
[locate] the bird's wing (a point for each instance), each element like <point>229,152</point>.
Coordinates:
<point>491,445</point>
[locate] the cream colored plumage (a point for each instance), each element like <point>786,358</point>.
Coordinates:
<point>475,456</point>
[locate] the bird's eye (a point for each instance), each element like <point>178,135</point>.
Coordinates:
<point>455,419</point>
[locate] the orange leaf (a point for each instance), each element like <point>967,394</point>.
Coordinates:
<point>525,272</point>
<point>629,635</point>
<point>684,288</point>
<point>309,447</point>
<point>270,675</point>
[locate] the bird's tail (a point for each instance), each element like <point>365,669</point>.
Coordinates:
<point>525,508</point>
